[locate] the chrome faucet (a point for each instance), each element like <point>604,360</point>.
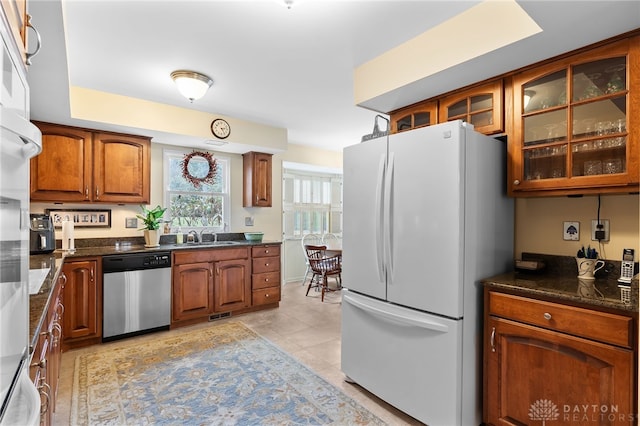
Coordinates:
<point>206,231</point>
<point>192,236</point>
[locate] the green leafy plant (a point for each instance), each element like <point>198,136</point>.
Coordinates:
<point>151,218</point>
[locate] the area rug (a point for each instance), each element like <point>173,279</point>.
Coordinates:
<point>222,375</point>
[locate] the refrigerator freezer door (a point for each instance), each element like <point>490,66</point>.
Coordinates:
<point>410,359</point>
<point>363,267</point>
<point>427,219</point>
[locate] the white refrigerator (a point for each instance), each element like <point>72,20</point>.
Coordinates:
<point>426,217</point>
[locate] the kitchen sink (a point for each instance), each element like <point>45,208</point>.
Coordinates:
<point>208,244</point>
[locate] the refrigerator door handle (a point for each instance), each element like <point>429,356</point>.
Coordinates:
<point>388,216</point>
<point>395,318</point>
<point>379,219</point>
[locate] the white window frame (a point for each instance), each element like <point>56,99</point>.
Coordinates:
<point>329,205</point>
<point>167,154</point>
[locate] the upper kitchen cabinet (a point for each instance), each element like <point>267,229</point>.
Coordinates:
<point>19,22</point>
<point>575,124</point>
<point>78,165</point>
<point>257,179</point>
<point>480,106</point>
<point>414,116</point>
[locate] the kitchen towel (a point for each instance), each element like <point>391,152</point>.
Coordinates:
<point>68,243</point>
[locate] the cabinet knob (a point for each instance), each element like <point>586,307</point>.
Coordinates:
<point>516,182</point>
<point>547,316</point>
<point>266,295</point>
<point>266,280</point>
<point>266,264</point>
<point>266,251</point>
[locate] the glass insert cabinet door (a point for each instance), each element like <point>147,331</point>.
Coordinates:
<point>481,106</point>
<point>573,125</point>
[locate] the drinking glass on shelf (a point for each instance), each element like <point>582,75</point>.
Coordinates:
<point>619,125</point>
<point>593,167</point>
<point>612,166</point>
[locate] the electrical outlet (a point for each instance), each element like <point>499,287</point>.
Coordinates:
<point>605,229</point>
<point>248,221</point>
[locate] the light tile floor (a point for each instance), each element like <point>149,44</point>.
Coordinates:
<point>304,327</point>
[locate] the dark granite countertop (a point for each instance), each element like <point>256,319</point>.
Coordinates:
<point>559,283</point>
<point>104,247</point>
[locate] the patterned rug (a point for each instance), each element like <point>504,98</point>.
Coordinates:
<point>222,375</point>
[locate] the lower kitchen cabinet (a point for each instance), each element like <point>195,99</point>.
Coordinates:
<point>192,290</point>
<point>265,277</point>
<point>44,369</point>
<point>206,282</point>
<point>232,285</point>
<point>83,302</point>
<point>547,361</point>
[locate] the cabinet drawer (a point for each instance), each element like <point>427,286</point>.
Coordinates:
<point>590,324</point>
<point>266,296</point>
<point>268,279</point>
<point>265,251</point>
<point>214,255</point>
<point>266,264</point>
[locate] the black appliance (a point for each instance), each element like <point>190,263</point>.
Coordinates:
<point>42,235</point>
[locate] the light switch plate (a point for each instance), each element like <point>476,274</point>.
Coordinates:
<point>571,231</point>
<point>248,221</point>
<point>131,222</point>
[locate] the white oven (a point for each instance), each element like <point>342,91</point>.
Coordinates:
<point>19,141</point>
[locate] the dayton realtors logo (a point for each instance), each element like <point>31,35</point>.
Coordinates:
<point>546,410</point>
<point>543,409</point>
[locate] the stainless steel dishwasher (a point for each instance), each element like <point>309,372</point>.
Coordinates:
<point>136,294</point>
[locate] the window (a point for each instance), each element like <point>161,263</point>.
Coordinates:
<point>190,207</point>
<point>312,203</point>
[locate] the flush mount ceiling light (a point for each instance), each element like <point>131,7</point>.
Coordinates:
<point>192,85</point>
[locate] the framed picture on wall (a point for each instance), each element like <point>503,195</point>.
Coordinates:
<point>81,218</point>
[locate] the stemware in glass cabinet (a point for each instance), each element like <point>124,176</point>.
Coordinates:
<point>546,92</point>
<point>599,78</point>
<point>545,163</point>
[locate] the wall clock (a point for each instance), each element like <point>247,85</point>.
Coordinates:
<point>220,128</point>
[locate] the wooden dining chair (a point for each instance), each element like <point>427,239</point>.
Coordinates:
<point>323,266</point>
<point>313,240</point>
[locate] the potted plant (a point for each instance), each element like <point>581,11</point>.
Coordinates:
<point>151,219</point>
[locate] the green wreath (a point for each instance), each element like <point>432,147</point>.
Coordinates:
<point>195,180</point>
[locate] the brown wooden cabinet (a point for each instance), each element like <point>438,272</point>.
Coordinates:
<point>232,285</point>
<point>83,302</point>
<point>575,124</point>
<point>481,106</point>
<point>265,277</point>
<point>205,282</point>
<point>79,165</point>
<point>257,179</point>
<point>192,290</point>
<point>44,369</point>
<point>544,361</point>
<point>414,116</point>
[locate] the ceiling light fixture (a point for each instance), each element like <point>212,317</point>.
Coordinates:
<point>192,85</point>
<point>528,94</point>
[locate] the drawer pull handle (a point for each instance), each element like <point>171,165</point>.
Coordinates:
<point>493,339</point>
<point>547,316</point>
